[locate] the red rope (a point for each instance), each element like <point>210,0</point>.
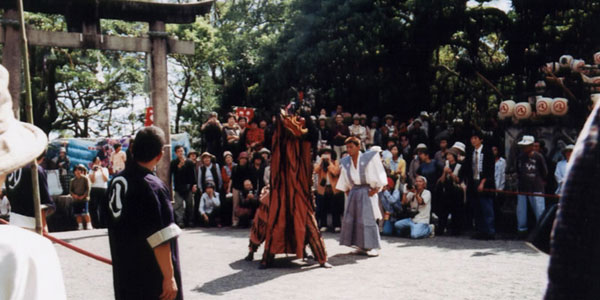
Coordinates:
<point>76,249</point>
<point>522,193</point>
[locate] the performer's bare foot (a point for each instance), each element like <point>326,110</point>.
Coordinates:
<point>326,265</point>
<point>249,257</point>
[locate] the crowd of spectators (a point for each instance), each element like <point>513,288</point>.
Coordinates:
<point>443,175</point>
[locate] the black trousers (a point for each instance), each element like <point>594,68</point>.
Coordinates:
<point>96,207</point>
<point>450,201</point>
<point>330,204</point>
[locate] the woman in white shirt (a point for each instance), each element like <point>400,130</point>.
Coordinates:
<point>99,178</point>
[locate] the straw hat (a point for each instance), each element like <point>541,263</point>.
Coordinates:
<point>20,143</point>
<point>526,140</point>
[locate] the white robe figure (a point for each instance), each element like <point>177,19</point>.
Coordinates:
<point>30,266</point>
<point>359,226</point>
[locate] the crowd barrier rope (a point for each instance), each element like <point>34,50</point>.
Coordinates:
<point>521,193</point>
<point>74,248</point>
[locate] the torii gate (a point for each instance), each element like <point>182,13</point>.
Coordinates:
<point>83,22</point>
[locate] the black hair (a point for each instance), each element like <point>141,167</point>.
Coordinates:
<point>148,144</point>
<point>117,145</point>
<point>177,148</point>
<point>477,133</point>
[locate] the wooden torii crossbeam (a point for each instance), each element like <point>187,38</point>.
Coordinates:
<point>83,22</point>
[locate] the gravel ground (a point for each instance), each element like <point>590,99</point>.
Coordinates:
<point>435,268</point>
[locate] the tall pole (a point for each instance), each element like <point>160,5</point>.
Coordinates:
<point>160,93</point>
<point>29,112</point>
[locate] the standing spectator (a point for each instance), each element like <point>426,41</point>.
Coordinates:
<point>481,161</point>
<point>373,133</point>
<point>141,228</point>
<point>440,155</point>
<point>80,192</point>
<point>118,159</point>
<point>415,163</point>
<point>209,206</point>
<point>184,185</point>
<point>416,134</point>
<point>255,137</point>
<point>358,130</point>
<point>419,199</point>
<point>406,148</point>
<point>4,206</point>
<point>396,165</point>
<point>19,190</point>
<point>324,132</point>
<point>231,133</point>
<point>243,124</point>
<point>363,120</point>
<point>328,201</point>
<point>450,194</point>
<point>213,132</point>
<point>500,169</point>
<point>388,129</point>
<point>227,201</point>
<point>560,174</point>
<point>99,179</point>
<point>63,163</point>
<point>240,173</point>
<point>532,170</point>
<point>339,110</point>
<point>339,133</point>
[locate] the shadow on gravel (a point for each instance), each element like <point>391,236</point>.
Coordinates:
<point>250,275</point>
<point>480,248</point>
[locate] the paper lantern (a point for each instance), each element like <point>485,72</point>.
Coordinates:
<point>506,109</point>
<point>577,65</point>
<point>551,67</point>
<point>560,106</point>
<point>565,61</point>
<point>595,98</point>
<point>523,110</point>
<point>542,106</point>
<point>597,58</point>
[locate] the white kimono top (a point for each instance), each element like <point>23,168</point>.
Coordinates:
<point>375,176</point>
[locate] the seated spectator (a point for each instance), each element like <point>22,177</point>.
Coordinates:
<point>209,206</point>
<point>80,192</point>
<point>419,200</point>
<point>248,203</point>
<point>392,207</point>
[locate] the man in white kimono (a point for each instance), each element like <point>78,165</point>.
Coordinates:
<point>29,265</point>
<point>362,177</point>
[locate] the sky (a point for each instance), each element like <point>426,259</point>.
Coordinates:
<point>500,4</point>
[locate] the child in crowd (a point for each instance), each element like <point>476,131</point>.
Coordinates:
<point>209,205</point>
<point>80,191</point>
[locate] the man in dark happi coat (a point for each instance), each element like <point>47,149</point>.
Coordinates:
<point>574,271</point>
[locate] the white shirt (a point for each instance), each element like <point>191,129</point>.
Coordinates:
<point>477,153</point>
<point>118,161</point>
<point>208,204</point>
<point>99,181</point>
<point>499,176</point>
<point>559,175</point>
<point>4,206</point>
<point>424,209</point>
<point>374,175</point>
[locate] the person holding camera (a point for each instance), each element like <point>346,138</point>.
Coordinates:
<point>99,179</point>
<point>419,199</point>
<point>328,201</point>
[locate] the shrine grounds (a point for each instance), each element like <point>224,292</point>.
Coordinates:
<point>434,268</point>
